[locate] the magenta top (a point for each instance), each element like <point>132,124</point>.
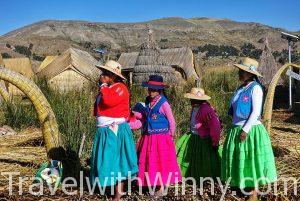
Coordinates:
<point>166,110</point>
<point>207,123</point>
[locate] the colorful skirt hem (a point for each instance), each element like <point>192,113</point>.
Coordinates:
<point>197,158</point>
<point>113,156</point>
<point>157,160</point>
<point>250,163</point>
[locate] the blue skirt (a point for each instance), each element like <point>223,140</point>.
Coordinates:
<point>114,156</point>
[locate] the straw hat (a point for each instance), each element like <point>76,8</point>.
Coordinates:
<point>249,65</point>
<point>197,94</point>
<point>113,67</point>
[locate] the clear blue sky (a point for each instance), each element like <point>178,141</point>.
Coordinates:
<point>17,13</point>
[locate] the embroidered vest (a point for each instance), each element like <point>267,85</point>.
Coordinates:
<point>156,122</point>
<point>244,103</point>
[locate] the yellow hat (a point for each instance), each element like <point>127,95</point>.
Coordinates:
<point>113,67</point>
<point>249,65</point>
<point>197,94</point>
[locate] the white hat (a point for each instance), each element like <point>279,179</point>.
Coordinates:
<point>249,65</point>
<point>197,94</point>
<point>113,67</point>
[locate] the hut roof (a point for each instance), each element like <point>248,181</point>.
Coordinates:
<point>20,65</point>
<point>268,65</point>
<point>79,61</point>
<point>46,62</point>
<point>182,57</point>
<point>128,60</point>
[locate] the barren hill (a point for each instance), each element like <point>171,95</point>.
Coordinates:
<point>53,36</point>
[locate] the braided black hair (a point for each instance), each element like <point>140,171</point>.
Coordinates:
<point>255,78</point>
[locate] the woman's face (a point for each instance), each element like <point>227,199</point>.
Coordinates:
<point>244,75</point>
<point>107,77</point>
<point>153,92</point>
<point>195,103</point>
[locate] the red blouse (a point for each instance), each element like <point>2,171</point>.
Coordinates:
<point>114,101</point>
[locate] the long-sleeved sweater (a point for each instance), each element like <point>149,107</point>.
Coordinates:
<point>206,123</point>
<point>114,101</point>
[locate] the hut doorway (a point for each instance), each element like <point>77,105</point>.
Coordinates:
<point>179,70</point>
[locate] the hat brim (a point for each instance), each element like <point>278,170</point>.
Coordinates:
<point>193,96</point>
<point>110,70</point>
<point>247,69</point>
<point>156,87</point>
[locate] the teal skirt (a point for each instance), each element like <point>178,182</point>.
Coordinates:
<point>197,158</point>
<point>113,157</point>
<point>249,163</point>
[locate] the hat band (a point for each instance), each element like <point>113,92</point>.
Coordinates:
<point>116,70</point>
<point>156,83</point>
<point>199,94</point>
<point>251,67</point>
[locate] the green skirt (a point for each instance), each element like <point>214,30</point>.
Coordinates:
<point>197,158</point>
<point>113,157</point>
<point>249,163</point>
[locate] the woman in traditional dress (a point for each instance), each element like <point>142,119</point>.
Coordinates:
<point>248,159</point>
<point>198,150</point>
<point>156,149</point>
<point>114,156</point>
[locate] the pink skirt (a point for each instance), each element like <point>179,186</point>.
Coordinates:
<point>157,160</point>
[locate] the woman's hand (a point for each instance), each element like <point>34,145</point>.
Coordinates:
<point>243,136</point>
<point>172,136</point>
<point>102,81</point>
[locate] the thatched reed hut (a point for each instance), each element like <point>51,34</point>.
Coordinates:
<point>46,62</point>
<point>1,60</point>
<point>176,65</point>
<point>22,66</point>
<point>268,65</point>
<point>73,70</point>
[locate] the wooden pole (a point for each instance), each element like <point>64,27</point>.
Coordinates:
<point>81,145</point>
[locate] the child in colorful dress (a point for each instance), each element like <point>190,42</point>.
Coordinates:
<point>197,151</point>
<point>156,148</point>
<point>248,159</point>
<point>114,139</point>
